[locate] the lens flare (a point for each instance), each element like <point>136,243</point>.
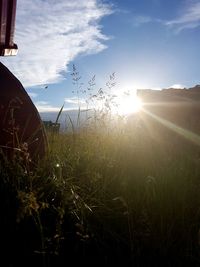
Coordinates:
<point>127,104</point>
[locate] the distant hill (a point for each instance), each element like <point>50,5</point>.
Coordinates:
<point>170,94</point>
<point>179,106</point>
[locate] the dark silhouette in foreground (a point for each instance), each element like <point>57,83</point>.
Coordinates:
<point>21,129</point>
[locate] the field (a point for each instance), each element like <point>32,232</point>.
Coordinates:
<point>127,195</point>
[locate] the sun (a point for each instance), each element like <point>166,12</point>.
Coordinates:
<point>128,104</point>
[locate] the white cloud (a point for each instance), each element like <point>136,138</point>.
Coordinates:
<point>43,106</point>
<point>33,95</point>
<point>76,103</point>
<point>140,19</point>
<point>42,103</point>
<point>156,88</point>
<point>177,86</point>
<point>75,100</point>
<point>189,18</point>
<point>51,33</point>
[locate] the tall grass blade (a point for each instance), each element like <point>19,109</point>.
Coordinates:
<point>59,113</point>
<point>78,118</point>
<point>71,122</point>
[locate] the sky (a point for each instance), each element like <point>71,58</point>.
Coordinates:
<point>146,43</point>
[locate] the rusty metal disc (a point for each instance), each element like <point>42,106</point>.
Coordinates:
<point>21,128</point>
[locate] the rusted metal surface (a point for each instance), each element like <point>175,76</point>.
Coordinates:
<point>7,27</point>
<point>21,128</point>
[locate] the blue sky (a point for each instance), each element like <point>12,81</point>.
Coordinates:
<point>147,43</point>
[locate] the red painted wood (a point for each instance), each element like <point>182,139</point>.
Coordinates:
<point>7,27</point>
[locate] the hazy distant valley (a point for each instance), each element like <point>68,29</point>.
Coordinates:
<point>179,106</point>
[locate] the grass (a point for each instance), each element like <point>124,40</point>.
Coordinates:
<point>108,192</point>
<point>129,196</point>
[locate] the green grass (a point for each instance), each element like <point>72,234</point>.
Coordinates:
<point>130,196</point>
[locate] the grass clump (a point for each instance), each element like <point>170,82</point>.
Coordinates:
<point>126,197</point>
<point>110,192</point>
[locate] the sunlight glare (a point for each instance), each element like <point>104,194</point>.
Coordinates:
<point>128,103</point>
